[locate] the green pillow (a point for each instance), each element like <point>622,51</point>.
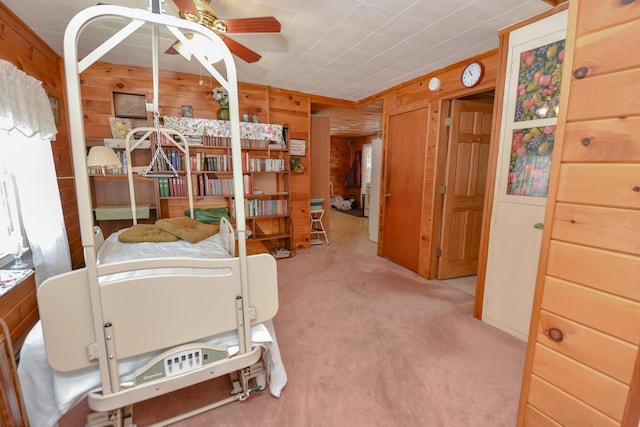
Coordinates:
<point>209,215</point>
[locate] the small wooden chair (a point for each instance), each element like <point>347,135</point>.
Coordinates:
<point>12,410</point>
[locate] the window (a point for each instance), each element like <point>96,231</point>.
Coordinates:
<point>11,233</point>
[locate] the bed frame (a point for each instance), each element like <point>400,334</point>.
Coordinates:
<point>172,313</point>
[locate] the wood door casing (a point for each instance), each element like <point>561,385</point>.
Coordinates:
<point>467,162</point>
<point>320,149</point>
<point>405,160</point>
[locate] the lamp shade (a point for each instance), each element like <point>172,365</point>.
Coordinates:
<point>103,157</point>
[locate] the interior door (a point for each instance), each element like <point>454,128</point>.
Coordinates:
<point>404,179</point>
<point>467,159</point>
<point>531,104</point>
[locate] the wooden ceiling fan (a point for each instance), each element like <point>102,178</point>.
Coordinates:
<point>201,12</point>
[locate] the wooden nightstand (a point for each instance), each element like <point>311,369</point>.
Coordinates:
<point>19,310</point>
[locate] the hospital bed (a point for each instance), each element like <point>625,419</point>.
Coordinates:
<point>145,319</point>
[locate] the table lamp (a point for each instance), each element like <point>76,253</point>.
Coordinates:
<point>103,157</point>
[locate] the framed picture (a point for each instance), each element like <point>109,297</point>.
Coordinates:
<point>187,111</point>
<point>55,108</point>
<point>120,127</point>
<point>298,147</point>
<point>129,105</point>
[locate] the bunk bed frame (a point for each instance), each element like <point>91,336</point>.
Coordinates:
<point>113,318</point>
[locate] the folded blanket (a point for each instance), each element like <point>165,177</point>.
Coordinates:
<point>187,228</point>
<point>146,233</point>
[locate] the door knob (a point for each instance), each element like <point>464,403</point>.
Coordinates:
<point>538,225</point>
<point>387,195</point>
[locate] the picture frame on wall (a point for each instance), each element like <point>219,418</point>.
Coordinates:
<point>298,147</point>
<point>129,105</point>
<point>120,127</point>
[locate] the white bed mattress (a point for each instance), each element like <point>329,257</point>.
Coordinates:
<point>48,394</point>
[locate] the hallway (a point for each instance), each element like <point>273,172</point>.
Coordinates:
<point>351,233</point>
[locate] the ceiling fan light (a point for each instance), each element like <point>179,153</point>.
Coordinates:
<point>207,47</point>
<point>184,51</point>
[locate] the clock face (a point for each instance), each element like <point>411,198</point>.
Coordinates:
<point>472,74</point>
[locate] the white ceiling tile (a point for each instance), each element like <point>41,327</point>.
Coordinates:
<point>369,17</point>
<point>394,6</point>
<point>310,26</point>
<point>344,32</point>
<point>350,49</point>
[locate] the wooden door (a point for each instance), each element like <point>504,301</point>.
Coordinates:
<point>467,158</point>
<point>527,135</point>
<point>405,162</point>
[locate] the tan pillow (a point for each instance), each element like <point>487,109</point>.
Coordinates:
<point>187,228</point>
<point>145,233</point>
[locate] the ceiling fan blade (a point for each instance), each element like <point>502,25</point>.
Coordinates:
<point>186,6</point>
<point>240,50</point>
<point>266,24</point>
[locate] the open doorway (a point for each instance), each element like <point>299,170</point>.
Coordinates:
<point>351,134</point>
<point>465,140</point>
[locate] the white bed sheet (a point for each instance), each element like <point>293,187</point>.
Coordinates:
<point>48,394</point>
<point>113,250</point>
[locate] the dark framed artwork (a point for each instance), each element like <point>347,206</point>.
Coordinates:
<point>55,108</point>
<point>129,105</point>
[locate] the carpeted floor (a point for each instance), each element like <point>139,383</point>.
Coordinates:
<point>368,343</point>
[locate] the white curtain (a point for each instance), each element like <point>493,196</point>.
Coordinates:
<point>26,129</point>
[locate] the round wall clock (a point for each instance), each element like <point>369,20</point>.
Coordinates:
<point>472,74</point>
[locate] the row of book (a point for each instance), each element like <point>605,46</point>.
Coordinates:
<point>173,187</point>
<point>265,207</point>
<point>223,141</point>
<point>202,185</point>
<point>219,162</point>
<point>262,164</point>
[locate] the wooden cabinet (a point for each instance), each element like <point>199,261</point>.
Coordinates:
<point>583,366</point>
<point>19,310</point>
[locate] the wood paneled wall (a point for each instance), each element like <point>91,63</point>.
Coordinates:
<point>294,110</point>
<point>29,53</point>
<point>341,159</point>
<point>340,162</point>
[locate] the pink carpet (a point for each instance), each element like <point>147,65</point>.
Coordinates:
<point>368,343</point>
